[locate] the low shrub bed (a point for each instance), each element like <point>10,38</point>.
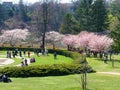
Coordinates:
<point>45,70</point>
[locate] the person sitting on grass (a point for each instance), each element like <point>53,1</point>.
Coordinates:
<point>4,78</point>
<point>32,60</point>
<point>22,63</point>
<point>25,61</point>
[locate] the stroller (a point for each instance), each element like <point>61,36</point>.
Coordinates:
<point>4,78</point>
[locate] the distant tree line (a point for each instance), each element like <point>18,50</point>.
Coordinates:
<point>71,18</point>
<point>31,16</point>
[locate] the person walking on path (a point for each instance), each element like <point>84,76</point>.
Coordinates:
<point>25,60</point>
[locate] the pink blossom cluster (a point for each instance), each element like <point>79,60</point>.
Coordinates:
<point>53,36</point>
<point>87,40</point>
<point>69,40</point>
<point>15,36</point>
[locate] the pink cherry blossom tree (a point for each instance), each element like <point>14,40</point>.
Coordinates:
<point>53,38</point>
<point>100,43</point>
<point>13,37</point>
<point>70,41</point>
<point>83,39</point>
<point>86,40</point>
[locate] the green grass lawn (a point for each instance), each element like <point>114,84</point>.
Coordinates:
<point>100,66</point>
<point>50,60</point>
<point>70,82</point>
<point>40,60</point>
<point>44,60</point>
<point>95,81</point>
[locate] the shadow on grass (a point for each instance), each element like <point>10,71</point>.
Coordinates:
<point>115,60</point>
<point>88,89</point>
<point>76,88</point>
<point>96,59</point>
<point>101,59</point>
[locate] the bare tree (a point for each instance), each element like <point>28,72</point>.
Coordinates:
<point>84,74</point>
<point>45,22</point>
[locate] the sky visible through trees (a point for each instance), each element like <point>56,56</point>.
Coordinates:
<point>33,1</point>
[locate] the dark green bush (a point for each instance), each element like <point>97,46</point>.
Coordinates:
<point>19,48</point>
<point>44,70</point>
<point>73,55</point>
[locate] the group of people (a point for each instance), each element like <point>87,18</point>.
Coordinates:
<point>24,62</point>
<point>14,53</point>
<point>17,52</point>
<point>43,52</point>
<point>102,54</point>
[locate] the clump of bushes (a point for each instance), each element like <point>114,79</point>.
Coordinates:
<point>45,70</point>
<point>73,55</point>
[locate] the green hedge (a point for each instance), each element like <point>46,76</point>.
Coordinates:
<point>45,70</point>
<point>73,55</point>
<point>19,48</point>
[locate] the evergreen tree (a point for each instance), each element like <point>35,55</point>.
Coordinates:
<point>100,17</point>
<point>115,34</point>
<point>1,14</point>
<point>22,12</point>
<point>114,15</point>
<point>116,37</point>
<point>10,12</point>
<point>84,15</point>
<point>1,17</point>
<point>114,8</point>
<point>69,25</point>
<point>7,10</point>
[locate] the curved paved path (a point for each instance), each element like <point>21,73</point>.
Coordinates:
<point>110,73</point>
<point>5,61</point>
